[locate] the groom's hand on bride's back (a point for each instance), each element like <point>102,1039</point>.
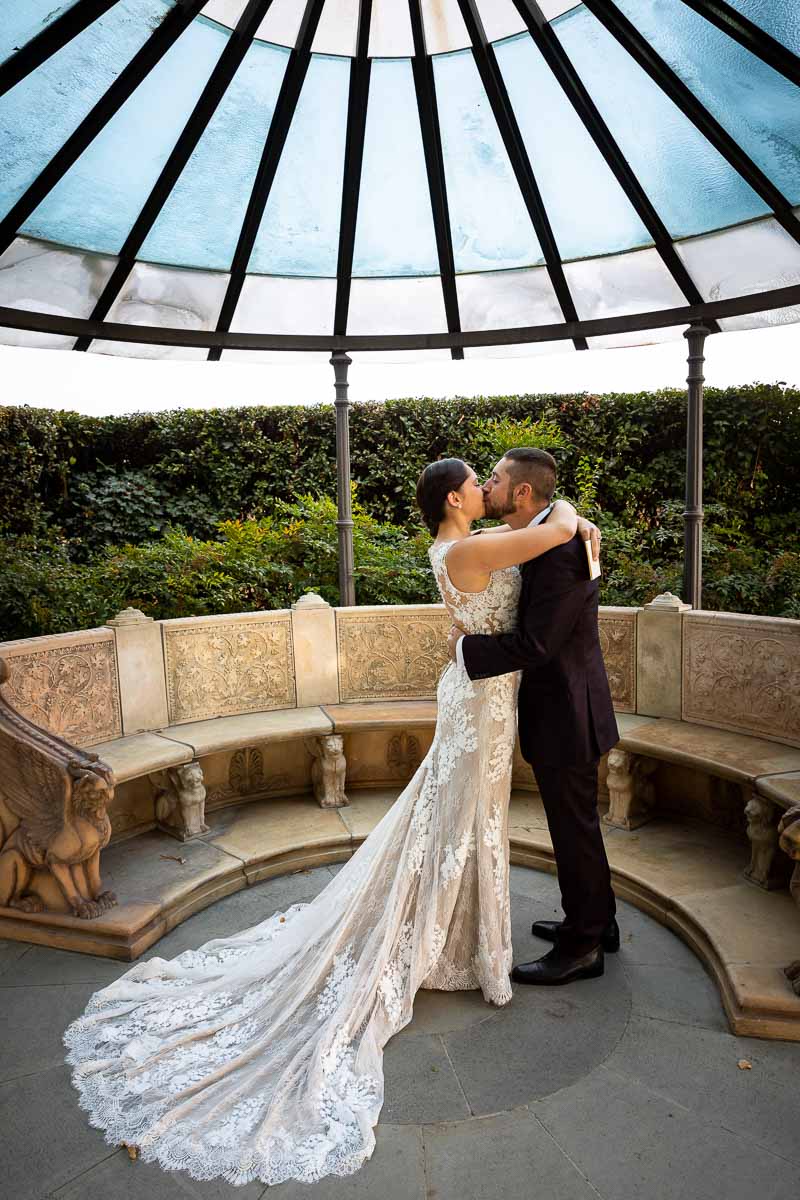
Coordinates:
<point>590,533</point>
<point>456,632</point>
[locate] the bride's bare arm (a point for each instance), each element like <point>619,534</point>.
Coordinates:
<point>474,555</point>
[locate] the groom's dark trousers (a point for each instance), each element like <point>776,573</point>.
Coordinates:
<point>566,723</point>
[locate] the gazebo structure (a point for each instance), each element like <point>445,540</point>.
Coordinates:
<point>407,178</point>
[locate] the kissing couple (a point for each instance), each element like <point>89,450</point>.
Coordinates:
<point>260,1055</point>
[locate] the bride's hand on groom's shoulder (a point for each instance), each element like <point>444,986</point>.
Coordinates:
<point>590,533</point>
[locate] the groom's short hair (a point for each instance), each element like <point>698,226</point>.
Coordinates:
<point>529,464</point>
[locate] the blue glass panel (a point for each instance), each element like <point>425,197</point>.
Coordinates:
<point>780,18</point>
<point>588,209</point>
<point>299,233</point>
<point>692,186</point>
<point>756,105</point>
<point>200,223</point>
<point>39,114</point>
<point>394,233</point>
<point>489,221</point>
<point>100,197</point>
<point>20,21</point>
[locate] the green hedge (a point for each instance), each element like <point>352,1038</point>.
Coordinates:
<point>97,512</point>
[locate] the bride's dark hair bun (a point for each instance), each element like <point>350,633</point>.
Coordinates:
<point>435,483</point>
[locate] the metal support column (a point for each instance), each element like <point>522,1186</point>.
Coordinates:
<point>347,593</point>
<point>693,514</point>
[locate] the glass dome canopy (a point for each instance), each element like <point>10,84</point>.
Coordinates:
<point>435,176</point>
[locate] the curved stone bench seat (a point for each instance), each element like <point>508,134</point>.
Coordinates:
<point>257,744</point>
<point>729,755</point>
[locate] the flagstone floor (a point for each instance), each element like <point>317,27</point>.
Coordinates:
<point>623,1088</point>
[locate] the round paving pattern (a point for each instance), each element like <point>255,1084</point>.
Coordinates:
<point>624,1086</point>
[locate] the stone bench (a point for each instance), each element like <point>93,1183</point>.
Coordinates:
<point>218,731</point>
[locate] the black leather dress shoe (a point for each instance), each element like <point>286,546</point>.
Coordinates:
<point>549,931</point>
<point>557,968</point>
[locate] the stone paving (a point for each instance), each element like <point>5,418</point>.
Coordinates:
<point>621,1088</point>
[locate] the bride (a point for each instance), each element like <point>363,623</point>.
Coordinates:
<point>260,1056</point>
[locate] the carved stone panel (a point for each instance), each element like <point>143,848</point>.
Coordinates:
<point>226,666</point>
<point>256,773</point>
<point>391,653</point>
<point>66,684</point>
<point>378,757</point>
<point>618,643</point>
<point>743,673</point>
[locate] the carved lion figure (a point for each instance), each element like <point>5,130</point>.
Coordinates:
<point>328,770</point>
<point>181,801</point>
<point>62,827</point>
<point>789,833</point>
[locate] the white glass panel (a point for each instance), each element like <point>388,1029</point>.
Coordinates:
<point>394,230</point>
<point>390,33</point>
<point>769,319</point>
<point>200,222</point>
<point>282,22</point>
<point>21,20</point>
<point>280,25</point>
<point>270,304</point>
<point>500,18</point>
<point>738,262</point>
<point>396,306</point>
<point>337,31</point>
<point>141,350</point>
<point>444,26</point>
<point>100,197</point>
<point>756,105</point>
<point>227,12</point>
<point>641,337</point>
<point>520,350</point>
<point>692,186</point>
<point>589,212</point>
<point>316,393</point>
<point>554,8</point>
<point>624,283</point>
<point>24,340</point>
<point>43,278</point>
<point>399,358</point>
<point>504,299</point>
<point>490,224</point>
<point>39,114</point>
<point>169,298</point>
<point>299,233</point>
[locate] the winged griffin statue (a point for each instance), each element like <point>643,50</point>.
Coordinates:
<point>53,816</point>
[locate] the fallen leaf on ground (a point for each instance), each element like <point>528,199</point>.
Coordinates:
<point>173,858</point>
<point>744,1065</point>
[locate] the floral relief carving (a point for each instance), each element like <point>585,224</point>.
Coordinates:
<point>403,753</point>
<point>399,656</point>
<point>70,690</point>
<point>246,779</point>
<point>224,669</point>
<point>742,675</point>
<point>618,643</point>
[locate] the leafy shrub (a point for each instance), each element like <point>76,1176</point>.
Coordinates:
<point>216,511</point>
<point>249,565</point>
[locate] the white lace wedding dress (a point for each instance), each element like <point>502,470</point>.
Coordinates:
<point>260,1056</point>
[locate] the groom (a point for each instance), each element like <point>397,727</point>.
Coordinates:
<point>566,718</point>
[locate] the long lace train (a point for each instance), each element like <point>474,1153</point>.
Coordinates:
<point>260,1055</point>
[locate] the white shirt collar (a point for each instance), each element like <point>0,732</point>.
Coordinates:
<point>537,520</point>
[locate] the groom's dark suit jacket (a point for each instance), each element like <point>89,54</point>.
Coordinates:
<point>566,717</point>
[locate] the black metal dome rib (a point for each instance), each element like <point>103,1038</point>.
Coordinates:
<point>71,23</point>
